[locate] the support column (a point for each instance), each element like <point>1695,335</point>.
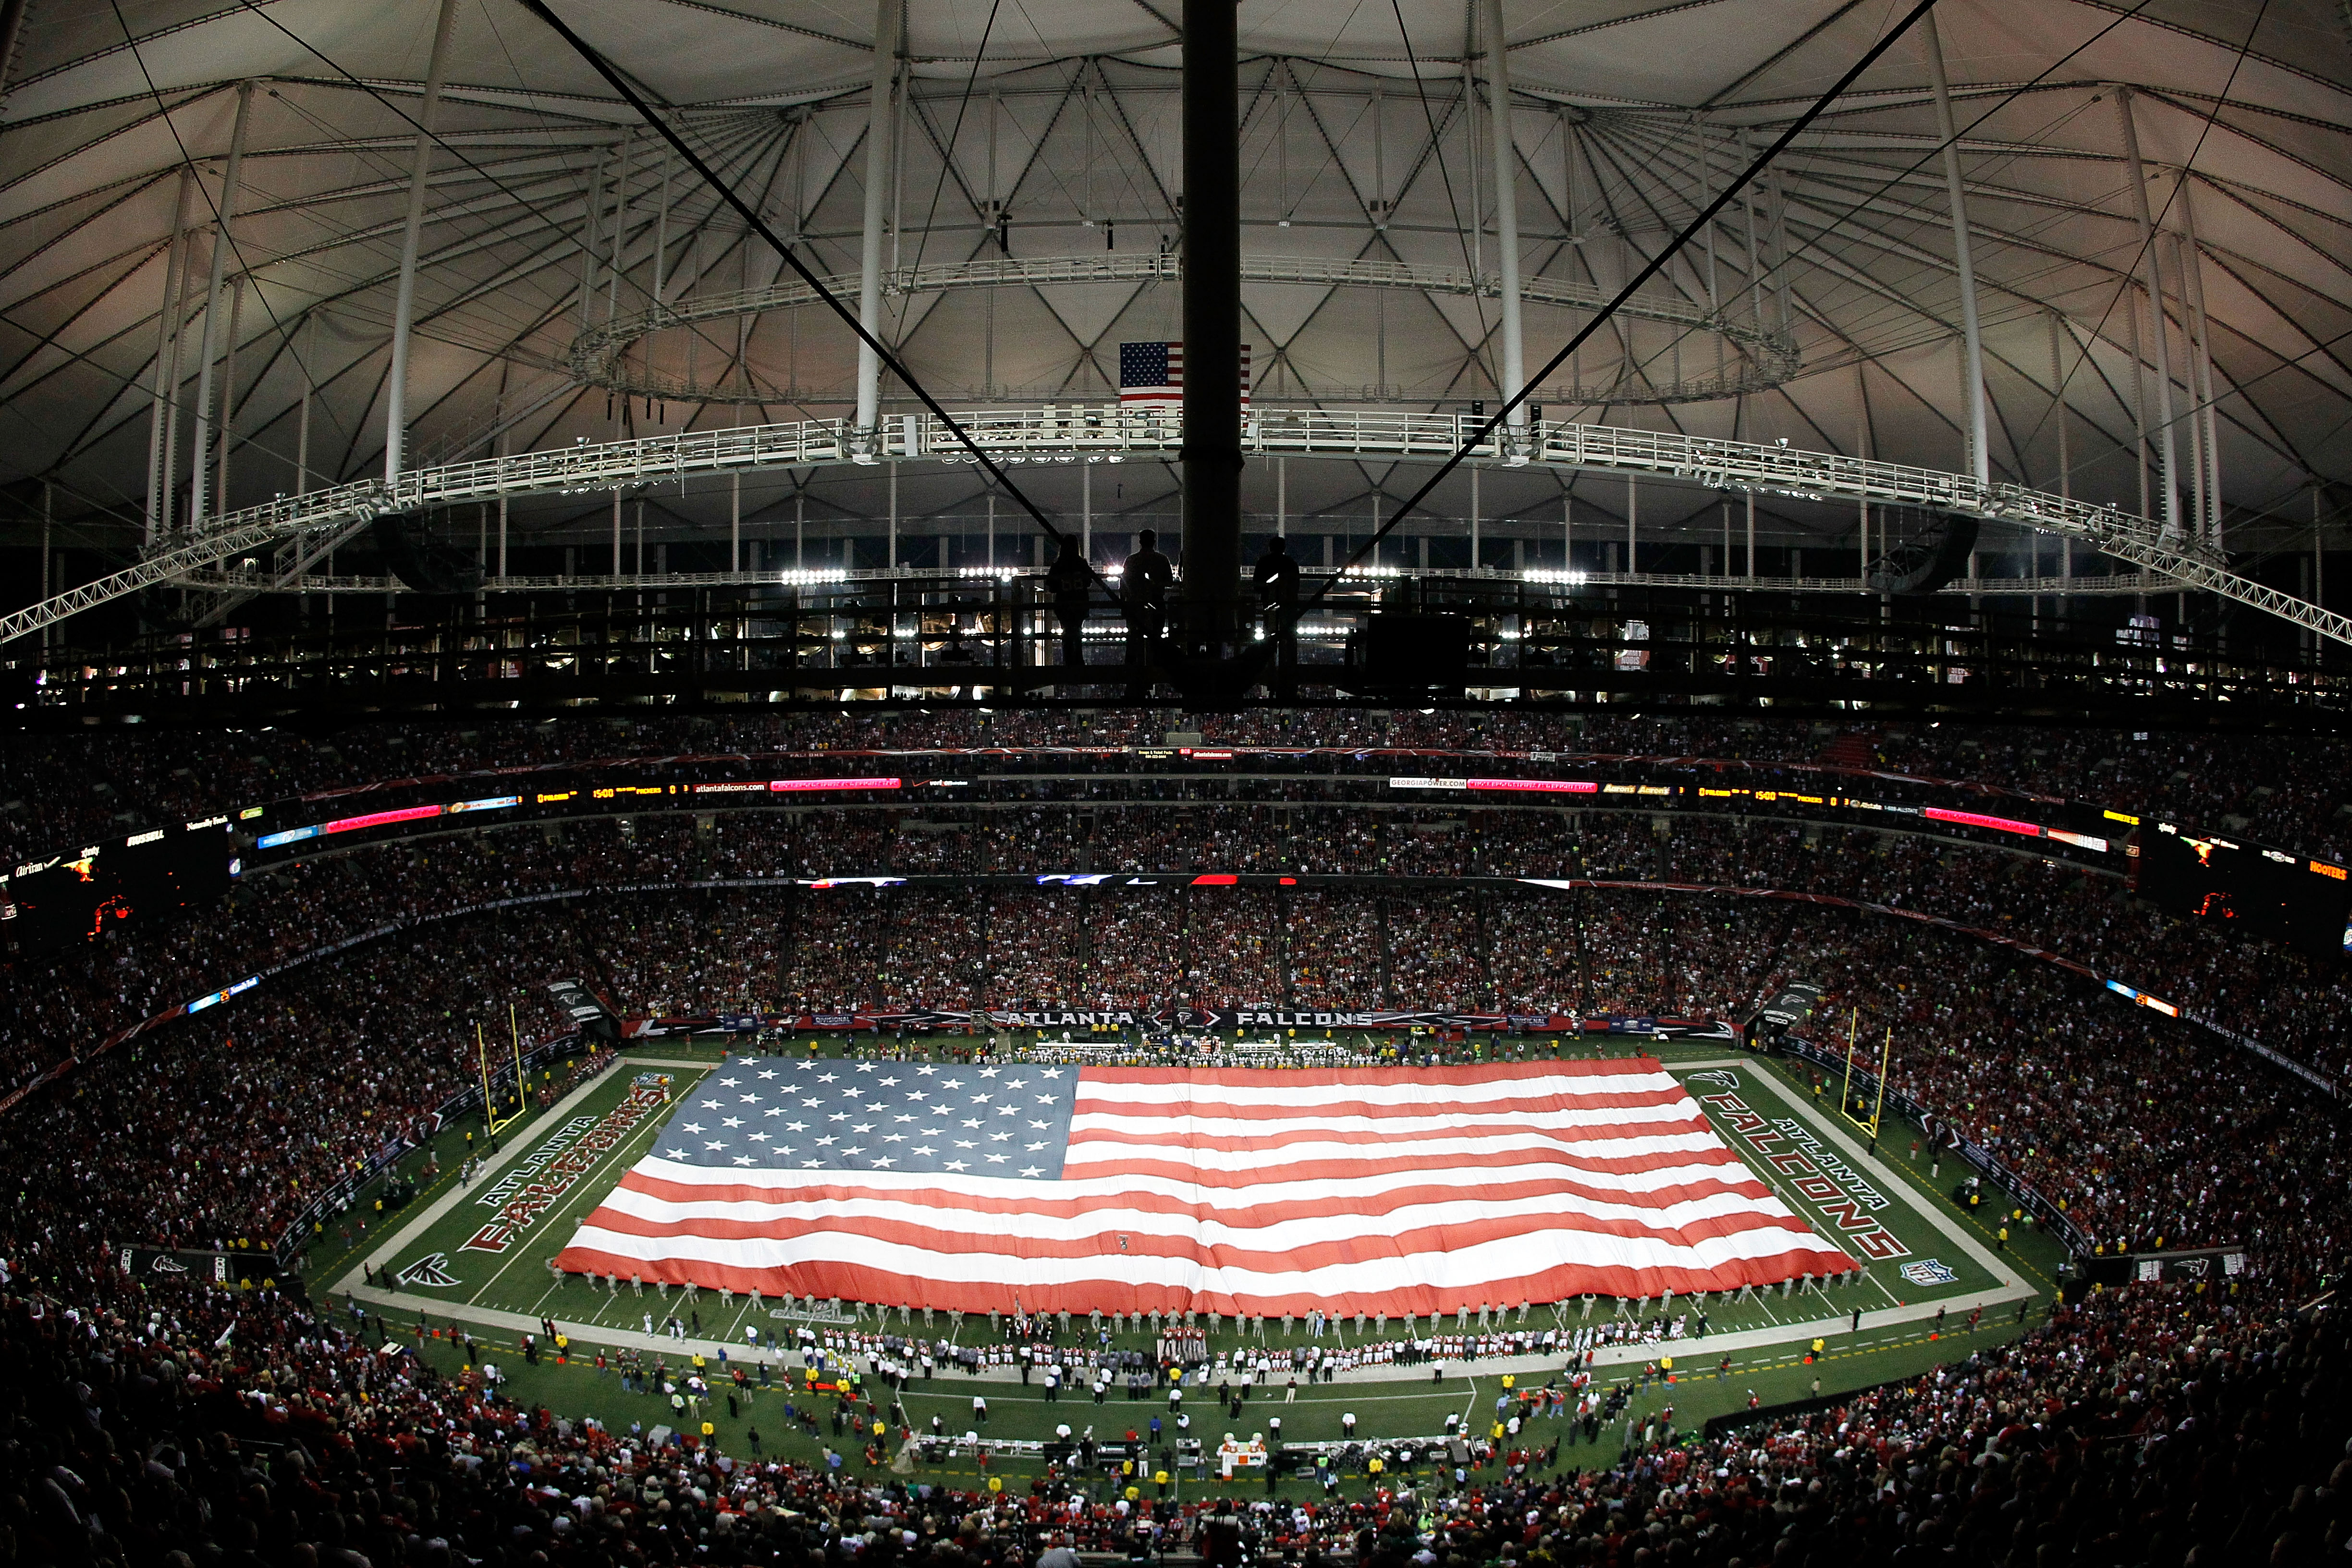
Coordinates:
<point>1633,516</point>
<point>48,513</point>
<point>228,396</point>
<point>403,308</point>
<point>1506,214</point>
<point>592,218</point>
<point>1861,449</point>
<point>661,232</point>
<point>306,361</point>
<point>1212,337</point>
<point>1963,255</point>
<point>878,209</point>
<point>2193,335</point>
<point>2152,279</point>
<point>2209,418</point>
<point>198,472</point>
<point>2066,475</point>
<point>2065,485</point>
<point>167,391</point>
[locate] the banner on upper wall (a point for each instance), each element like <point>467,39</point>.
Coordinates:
<point>1179,1020</point>
<point>230,1270</point>
<point>2206,1265</point>
<point>2190,1266</point>
<point>589,1013</point>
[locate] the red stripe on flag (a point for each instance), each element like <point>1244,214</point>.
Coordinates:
<point>861,1283</point>
<point>1144,1203</point>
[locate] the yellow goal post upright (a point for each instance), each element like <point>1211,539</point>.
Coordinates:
<point>1878,1106</point>
<point>514,1033</point>
<point>490,1117</point>
<point>1878,1103</point>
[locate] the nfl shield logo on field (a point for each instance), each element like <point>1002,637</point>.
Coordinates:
<point>1929,1271</point>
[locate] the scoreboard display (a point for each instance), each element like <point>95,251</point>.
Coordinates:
<point>2304,903</point>
<point>146,878</point>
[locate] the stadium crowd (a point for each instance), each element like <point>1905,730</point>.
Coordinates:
<point>2154,1424</point>
<point>72,788</point>
<point>2163,1425</point>
<point>2074,1090</point>
<point>1491,948</point>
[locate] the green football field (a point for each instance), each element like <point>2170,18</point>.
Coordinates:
<point>475,1259</point>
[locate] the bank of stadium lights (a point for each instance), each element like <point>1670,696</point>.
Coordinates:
<point>1545,574</point>
<point>1011,457</point>
<point>799,578</point>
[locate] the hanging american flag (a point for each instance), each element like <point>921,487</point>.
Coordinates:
<point>1142,1189</point>
<point>1154,372</point>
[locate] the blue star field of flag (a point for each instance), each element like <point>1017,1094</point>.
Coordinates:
<point>773,1115</point>
<point>1151,365</point>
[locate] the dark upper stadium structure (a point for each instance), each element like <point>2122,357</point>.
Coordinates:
<point>1773,563</point>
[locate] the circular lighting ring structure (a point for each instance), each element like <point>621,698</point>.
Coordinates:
<point>1070,432</point>
<point>1753,359</point>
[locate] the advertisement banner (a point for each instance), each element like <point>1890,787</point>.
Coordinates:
<point>1179,1020</point>
<point>2193,1266</point>
<point>183,1266</point>
<point>2209,1264</point>
<point>589,1014</point>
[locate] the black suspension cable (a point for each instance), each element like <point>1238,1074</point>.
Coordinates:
<point>1649,270</point>
<point>759,225</point>
<point>955,135</point>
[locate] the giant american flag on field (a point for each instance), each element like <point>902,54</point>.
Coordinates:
<point>1142,1189</point>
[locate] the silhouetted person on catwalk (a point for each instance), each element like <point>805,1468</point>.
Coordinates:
<point>1277,591</point>
<point>1071,583</point>
<point>1143,583</point>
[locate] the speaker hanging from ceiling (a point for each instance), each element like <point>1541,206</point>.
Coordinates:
<point>424,565</point>
<point>1919,550</point>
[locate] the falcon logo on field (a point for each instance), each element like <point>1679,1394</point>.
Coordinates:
<point>431,1270</point>
<point>1929,1271</point>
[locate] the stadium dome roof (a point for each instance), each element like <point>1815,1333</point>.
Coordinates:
<point>1357,147</point>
